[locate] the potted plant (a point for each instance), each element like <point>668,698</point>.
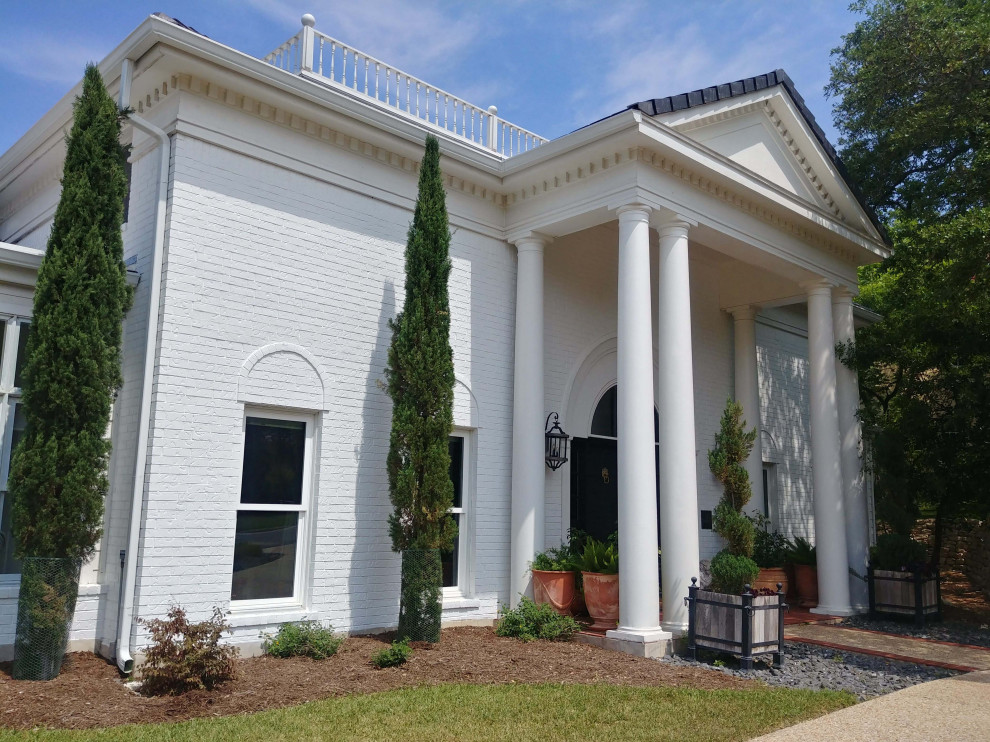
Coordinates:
<point>801,555</point>
<point>728,615</point>
<point>599,565</point>
<point>554,579</point>
<point>901,581</point>
<point>770,554</point>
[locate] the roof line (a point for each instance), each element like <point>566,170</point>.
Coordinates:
<point>704,96</point>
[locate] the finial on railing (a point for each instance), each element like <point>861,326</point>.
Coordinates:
<point>306,43</point>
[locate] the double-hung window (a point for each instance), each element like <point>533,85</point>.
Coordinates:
<point>271,532</point>
<point>455,562</point>
<point>13,342</point>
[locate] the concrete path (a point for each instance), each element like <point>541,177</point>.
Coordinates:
<point>962,657</point>
<point>955,709</point>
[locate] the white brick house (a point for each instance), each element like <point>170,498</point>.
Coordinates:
<point>689,249</point>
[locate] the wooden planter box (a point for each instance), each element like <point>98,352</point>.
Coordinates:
<point>747,624</point>
<point>916,595</point>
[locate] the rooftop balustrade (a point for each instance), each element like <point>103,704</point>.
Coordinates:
<point>311,52</point>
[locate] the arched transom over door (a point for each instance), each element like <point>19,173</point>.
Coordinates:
<point>594,474</point>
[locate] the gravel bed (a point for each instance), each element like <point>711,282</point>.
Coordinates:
<point>815,668</point>
<point>946,631</point>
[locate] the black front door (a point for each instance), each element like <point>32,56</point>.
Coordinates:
<point>594,492</point>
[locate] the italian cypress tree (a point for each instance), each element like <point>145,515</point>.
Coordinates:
<point>58,476</point>
<point>420,378</point>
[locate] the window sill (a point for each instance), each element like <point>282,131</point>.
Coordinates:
<point>244,617</point>
<point>459,603</point>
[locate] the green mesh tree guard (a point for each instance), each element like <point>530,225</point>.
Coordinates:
<point>45,606</point>
<point>420,606</point>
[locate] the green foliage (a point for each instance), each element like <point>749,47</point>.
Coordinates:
<point>895,551</point>
<point>397,654</point>
<point>802,552</point>
<point>303,639</point>
<point>914,104</point>
<point>599,557</point>
<point>735,528</point>
<point>45,605</point>
<point>554,559</point>
<point>186,656</point>
<point>529,621</point>
<point>732,446</point>
<point>769,547</point>
<point>731,573</point>
<point>420,377</point>
<point>58,477</point>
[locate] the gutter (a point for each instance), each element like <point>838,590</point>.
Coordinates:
<point>129,561</point>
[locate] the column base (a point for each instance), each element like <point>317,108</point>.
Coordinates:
<point>651,643</point>
<point>828,610</point>
<point>675,629</point>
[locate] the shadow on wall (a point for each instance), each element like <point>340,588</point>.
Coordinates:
<point>372,582</point>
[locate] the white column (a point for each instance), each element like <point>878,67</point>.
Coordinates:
<point>850,448</point>
<point>747,390</point>
<point>830,522</point>
<point>679,517</point>
<point>527,418</point>
<point>639,590</point>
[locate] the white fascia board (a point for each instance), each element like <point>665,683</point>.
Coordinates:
<point>21,257</point>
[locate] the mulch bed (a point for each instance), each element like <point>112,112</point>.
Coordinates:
<point>90,692</point>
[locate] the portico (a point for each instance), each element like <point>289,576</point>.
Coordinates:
<point>667,253</point>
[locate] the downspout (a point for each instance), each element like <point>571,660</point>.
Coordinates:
<point>126,609</point>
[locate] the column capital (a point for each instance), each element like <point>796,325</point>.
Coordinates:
<point>635,210</point>
<point>842,295</point>
<point>532,242</point>
<point>743,312</point>
<point>671,224</point>
<point>817,287</point>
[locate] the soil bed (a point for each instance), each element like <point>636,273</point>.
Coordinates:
<point>90,693</point>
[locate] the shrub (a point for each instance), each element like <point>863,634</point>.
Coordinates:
<point>303,639</point>
<point>802,552</point>
<point>897,552</point>
<point>735,528</point>
<point>599,557</point>
<point>186,656</point>
<point>554,559</point>
<point>769,547</point>
<point>731,573</point>
<point>529,621</point>
<point>726,461</point>
<point>397,654</point>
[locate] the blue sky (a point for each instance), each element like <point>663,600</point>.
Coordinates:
<point>550,66</point>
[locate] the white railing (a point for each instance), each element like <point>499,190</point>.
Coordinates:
<point>314,52</point>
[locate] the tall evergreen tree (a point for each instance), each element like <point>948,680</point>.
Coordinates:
<point>420,378</point>
<point>58,474</point>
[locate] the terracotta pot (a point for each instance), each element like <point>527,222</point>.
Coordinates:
<point>806,577</point>
<point>769,577</point>
<point>601,594</point>
<point>555,588</point>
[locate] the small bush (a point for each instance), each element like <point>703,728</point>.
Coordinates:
<point>529,621</point>
<point>186,656</point>
<point>769,547</point>
<point>802,552</point>
<point>897,552</point>
<point>393,656</point>
<point>554,559</point>
<point>731,573</point>
<point>303,639</point>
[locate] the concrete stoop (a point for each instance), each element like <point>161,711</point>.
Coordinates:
<point>662,647</point>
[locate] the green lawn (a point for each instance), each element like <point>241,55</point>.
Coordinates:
<point>512,713</point>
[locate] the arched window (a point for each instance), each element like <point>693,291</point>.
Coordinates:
<point>604,423</point>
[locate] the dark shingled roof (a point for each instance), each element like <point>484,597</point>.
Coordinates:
<point>704,96</point>
<point>178,23</point>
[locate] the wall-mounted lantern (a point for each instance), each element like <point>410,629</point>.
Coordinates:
<point>556,440</point>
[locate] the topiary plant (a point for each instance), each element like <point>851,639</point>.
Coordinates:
<point>897,552</point>
<point>731,573</point>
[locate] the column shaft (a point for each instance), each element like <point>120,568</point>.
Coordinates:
<point>830,525</point>
<point>747,388</point>
<point>679,518</point>
<point>639,591</point>
<point>527,520</point>
<point>850,447</point>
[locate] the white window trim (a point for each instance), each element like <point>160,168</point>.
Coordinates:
<point>299,597</point>
<point>466,523</point>
<point>10,397</point>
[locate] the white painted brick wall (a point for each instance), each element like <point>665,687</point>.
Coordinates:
<point>258,254</point>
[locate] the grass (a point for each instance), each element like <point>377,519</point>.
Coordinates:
<point>498,713</point>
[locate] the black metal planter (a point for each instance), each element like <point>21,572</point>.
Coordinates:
<point>746,624</point>
<point>910,594</point>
